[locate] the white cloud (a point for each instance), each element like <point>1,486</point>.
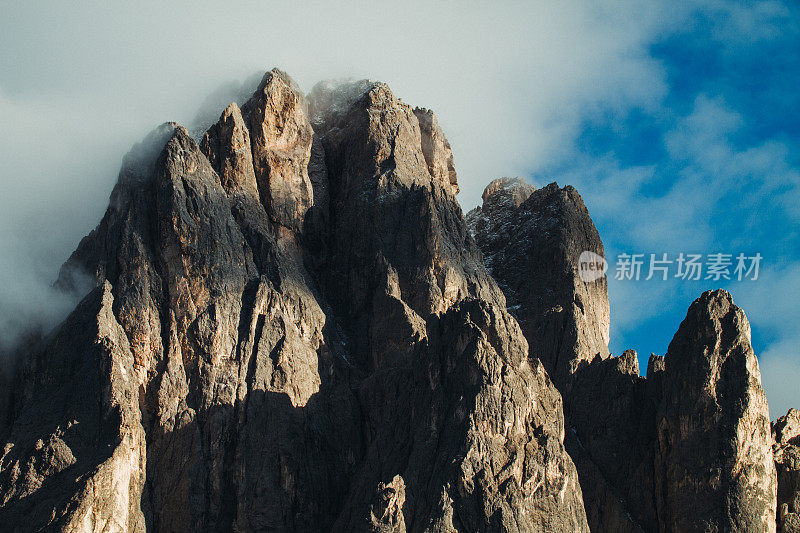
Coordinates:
<point>83,82</point>
<point>511,84</point>
<point>752,187</point>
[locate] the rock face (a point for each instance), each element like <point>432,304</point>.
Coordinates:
<point>612,417</point>
<point>436,149</point>
<point>74,457</point>
<point>786,450</point>
<point>291,330</point>
<point>281,137</point>
<point>450,402</point>
<point>531,241</point>
<point>686,449</point>
<point>714,469</point>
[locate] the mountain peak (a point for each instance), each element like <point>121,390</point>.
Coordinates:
<point>293,328</point>
<point>514,190</point>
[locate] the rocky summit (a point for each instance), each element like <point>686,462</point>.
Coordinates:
<point>292,327</point>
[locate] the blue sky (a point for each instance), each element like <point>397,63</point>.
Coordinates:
<point>712,168</point>
<point>677,122</point>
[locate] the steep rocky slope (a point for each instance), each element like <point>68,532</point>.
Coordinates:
<point>290,326</point>
<point>714,464</point>
<point>688,448</point>
<point>531,240</point>
<point>292,330</point>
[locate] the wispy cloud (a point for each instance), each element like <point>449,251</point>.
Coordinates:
<point>82,82</point>
<point>712,168</point>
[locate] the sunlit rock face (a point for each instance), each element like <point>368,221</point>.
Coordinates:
<point>292,327</point>
<point>292,330</point>
<point>688,448</point>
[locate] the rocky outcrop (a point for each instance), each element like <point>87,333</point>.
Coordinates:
<point>531,241</point>
<point>281,137</point>
<point>292,330</point>
<point>611,412</point>
<point>396,234</point>
<point>450,403</point>
<point>74,457</point>
<point>714,467</point>
<point>228,148</point>
<point>786,450</point>
<point>436,149</point>
<point>685,449</point>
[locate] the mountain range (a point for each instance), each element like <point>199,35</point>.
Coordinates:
<point>288,324</point>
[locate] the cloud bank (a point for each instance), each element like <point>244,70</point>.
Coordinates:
<point>82,83</point>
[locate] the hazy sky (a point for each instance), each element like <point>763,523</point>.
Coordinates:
<point>678,125</point>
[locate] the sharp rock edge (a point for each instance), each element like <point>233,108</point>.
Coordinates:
<point>294,328</point>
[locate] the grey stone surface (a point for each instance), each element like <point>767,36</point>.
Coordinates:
<point>686,449</point>
<point>292,330</point>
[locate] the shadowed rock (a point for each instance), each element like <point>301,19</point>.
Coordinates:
<point>74,458</point>
<point>714,465</point>
<point>292,328</point>
<point>531,240</point>
<point>686,449</point>
<point>279,363</point>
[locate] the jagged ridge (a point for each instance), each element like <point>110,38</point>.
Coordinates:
<point>293,328</point>
<point>313,341</point>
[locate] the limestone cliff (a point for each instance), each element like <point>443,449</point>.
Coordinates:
<point>292,330</point>
<point>292,327</point>
<point>688,448</point>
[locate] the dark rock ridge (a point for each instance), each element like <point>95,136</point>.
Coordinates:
<point>531,240</point>
<point>714,465</point>
<point>292,327</point>
<point>688,448</point>
<point>292,330</point>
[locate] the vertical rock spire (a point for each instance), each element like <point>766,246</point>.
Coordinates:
<point>281,137</point>
<point>531,241</point>
<point>714,468</point>
<point>227,146</point>
<point>383,386</point>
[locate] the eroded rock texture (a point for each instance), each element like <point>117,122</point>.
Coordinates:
<point>75,454</point>
<point>714,467</point>
<point>291,330</point>
<point>531,240</point>
<point>685,449</point>
<point>612,417</point>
